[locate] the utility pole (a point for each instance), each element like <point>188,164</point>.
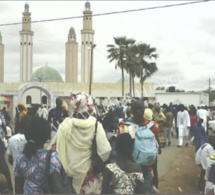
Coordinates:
<point>209,91</point>
<point>91,69</point>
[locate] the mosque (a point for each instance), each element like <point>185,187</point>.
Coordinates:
<point>45,84</point>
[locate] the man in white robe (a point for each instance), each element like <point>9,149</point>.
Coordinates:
<point>183,124</point>
<point>203,113</point>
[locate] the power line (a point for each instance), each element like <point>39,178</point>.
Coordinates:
<point>109,13</point>
<point>13,35</point>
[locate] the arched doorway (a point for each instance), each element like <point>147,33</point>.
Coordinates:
<point>45,93</point>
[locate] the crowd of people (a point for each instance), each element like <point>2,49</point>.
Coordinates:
<point>99,149</point>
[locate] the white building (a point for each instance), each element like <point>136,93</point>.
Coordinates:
<point>186,98</point>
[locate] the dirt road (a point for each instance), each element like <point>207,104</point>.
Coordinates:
<point>178,173</point>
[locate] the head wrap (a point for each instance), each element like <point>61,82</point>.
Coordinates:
<point>148,114</point>
<point>202,105</point>
<point>81,102</point>
<point>157,106</point>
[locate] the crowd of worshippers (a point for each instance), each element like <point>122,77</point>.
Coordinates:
<point>95,149</point>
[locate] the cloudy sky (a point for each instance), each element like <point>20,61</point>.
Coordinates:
<point>184,37</point>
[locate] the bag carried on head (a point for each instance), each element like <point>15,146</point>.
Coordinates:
<point>145,145</point>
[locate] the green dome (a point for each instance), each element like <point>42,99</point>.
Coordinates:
<point>72,31</point>
<point>87,4</point>
<point>26,6</point>
<point>47,74</point>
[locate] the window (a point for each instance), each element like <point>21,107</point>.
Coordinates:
<point>29,43</point>
<point>24,43</point>
<point>20,43</point>
<point>86,42</point>
<point>28,99</point>
<point>44,100</point>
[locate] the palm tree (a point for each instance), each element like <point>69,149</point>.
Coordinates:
<point>146,68</point>
<point>118,53</point>
<point>132,66</point>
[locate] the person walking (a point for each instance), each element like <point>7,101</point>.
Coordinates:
<point>6,186</point>
<point>30,166</point>
<point>44,113</point>
<point>111,126</point>
<point>17,142</point>
<point>183,124</point>
<point>74,141</point>
<point>169,124</point>
<point>199,136</point>
<point>203,114</point>
<point>21,111</point>
<point>6,115</point>
<point>3,130</point>
<point>123,176</point>
<point>56,116</point>
<point>148,116</point>
<point>206,150</point>
<point>137,109</point>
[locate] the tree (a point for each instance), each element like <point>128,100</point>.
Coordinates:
<point>132,66</point>
<point>118,53</point>
<point>145,53</point>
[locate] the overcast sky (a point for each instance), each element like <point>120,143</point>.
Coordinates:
<point>184,37</point>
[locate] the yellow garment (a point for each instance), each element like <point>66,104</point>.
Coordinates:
<point>148,114</point>
<point>74,143</point>
<point>161,123</point>
<point>23,112</point>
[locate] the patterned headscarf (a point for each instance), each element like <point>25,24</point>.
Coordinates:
<point>81,102</point>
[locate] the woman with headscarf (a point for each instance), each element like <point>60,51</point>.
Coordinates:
<point>123,176</point>
<point>74,141</point>
<point>21,111</point>
<point>31,166</point>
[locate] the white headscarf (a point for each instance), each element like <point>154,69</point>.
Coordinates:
<point>81,102</point>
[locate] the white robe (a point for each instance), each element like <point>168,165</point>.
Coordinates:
<point>203,114</point>
<point>183,124</point>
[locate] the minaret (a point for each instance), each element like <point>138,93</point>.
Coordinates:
<point>26,46</point>
<point>1,60</point>
<point>86,44</point>
<point>71,74</point>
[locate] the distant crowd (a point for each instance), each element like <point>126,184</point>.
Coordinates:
<point>95,149</point>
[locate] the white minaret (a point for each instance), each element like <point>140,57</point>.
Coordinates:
<point>1,60</point>
<point>86,43</point>
<point>71,58</point>
<point>26,46</point>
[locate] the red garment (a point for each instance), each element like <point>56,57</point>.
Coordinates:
<point>193,120</point>
<point>154,128</point>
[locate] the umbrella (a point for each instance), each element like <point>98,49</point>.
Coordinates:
<point>4,100</point>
